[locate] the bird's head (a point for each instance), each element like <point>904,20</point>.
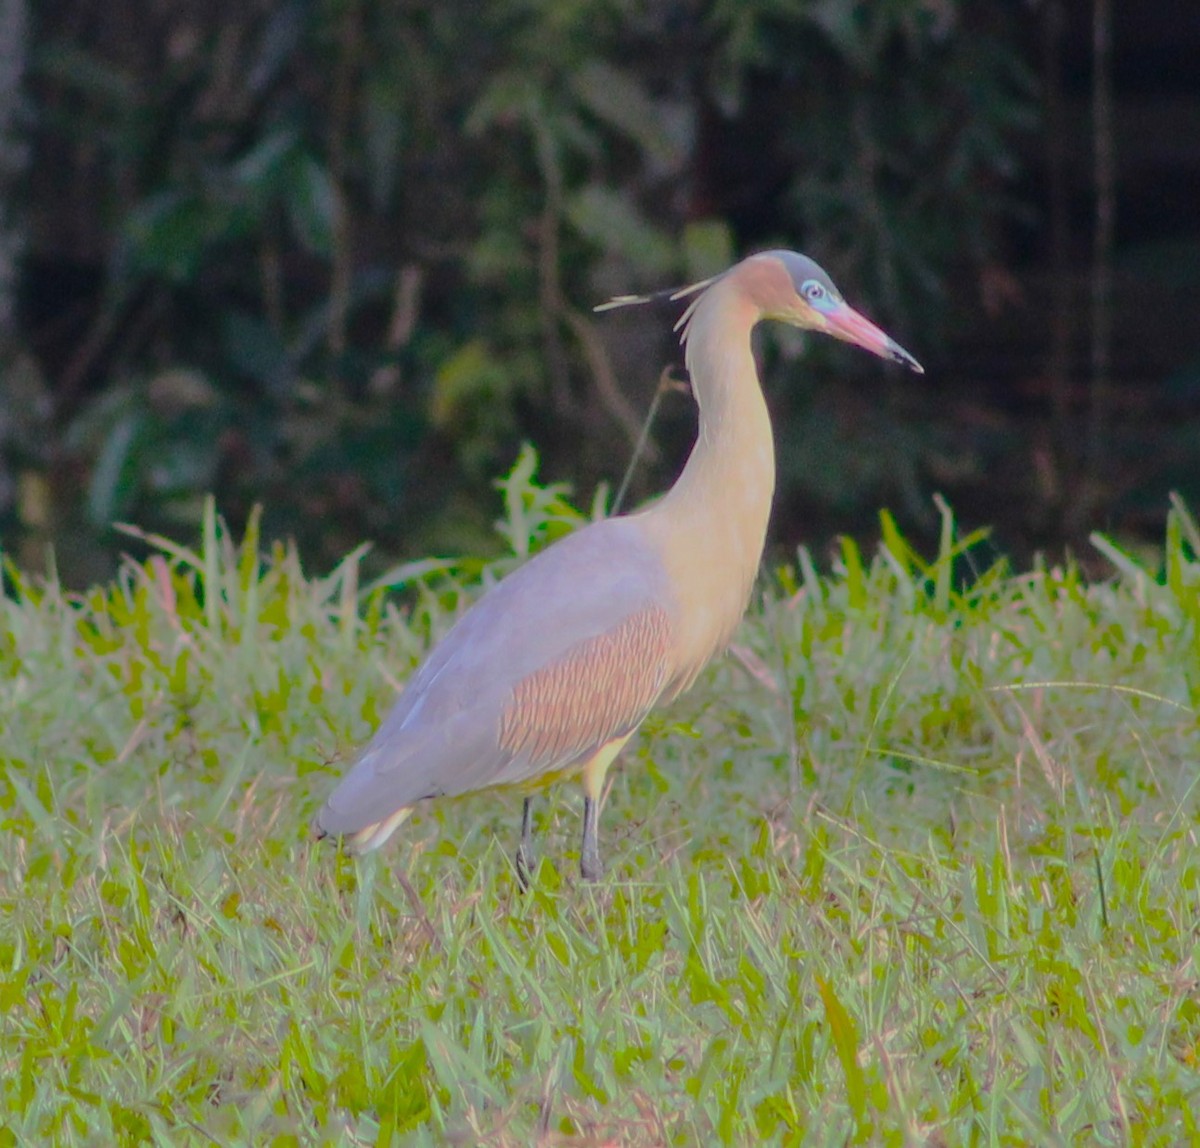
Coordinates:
<point>789,287</point>
<point>793,289</point>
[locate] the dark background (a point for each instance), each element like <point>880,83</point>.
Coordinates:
<point>339,257</point>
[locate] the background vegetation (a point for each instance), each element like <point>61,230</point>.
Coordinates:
<point>916,864</point>
<point>338,257</point>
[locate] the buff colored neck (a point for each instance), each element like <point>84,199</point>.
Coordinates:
<point>710,528</point>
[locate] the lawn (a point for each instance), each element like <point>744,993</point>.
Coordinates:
<point>915,863</point>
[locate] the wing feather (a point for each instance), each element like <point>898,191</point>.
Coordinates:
<point>599,690</point>
<point>565,654</point>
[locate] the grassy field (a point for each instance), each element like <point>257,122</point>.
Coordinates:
<point>915,864</point>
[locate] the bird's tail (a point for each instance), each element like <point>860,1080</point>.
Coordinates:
<point>369,837</point>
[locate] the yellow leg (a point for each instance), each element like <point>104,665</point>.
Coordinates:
<point>593,787</point>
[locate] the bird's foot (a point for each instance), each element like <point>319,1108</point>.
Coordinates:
<point>525,863</point>
<point>590,866</point>
<point>525,859</point>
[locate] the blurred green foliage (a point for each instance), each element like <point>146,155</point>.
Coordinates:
<point>339,256</point>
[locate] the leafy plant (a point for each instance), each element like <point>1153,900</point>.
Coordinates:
<point>344,253</point>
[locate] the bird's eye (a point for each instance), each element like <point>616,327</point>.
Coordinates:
<point>818,295</point>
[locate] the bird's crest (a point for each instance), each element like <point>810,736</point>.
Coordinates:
<point>670,295</point>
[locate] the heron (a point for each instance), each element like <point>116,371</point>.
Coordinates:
<point>554,668</point>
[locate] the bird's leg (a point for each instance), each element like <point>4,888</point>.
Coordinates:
<point>589,856</point>
<point>525,848</point>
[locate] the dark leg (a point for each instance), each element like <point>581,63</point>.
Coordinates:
<point>589,857</point>
<point>525,848</point>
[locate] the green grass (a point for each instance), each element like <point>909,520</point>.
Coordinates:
<point>915,864</point>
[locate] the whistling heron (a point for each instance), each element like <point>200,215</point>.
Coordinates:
<point>553,669</point>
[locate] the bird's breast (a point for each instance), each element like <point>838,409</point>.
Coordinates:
<point>711,552</point>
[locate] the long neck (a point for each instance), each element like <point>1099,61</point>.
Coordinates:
<point>711,527</point>
<point>731,470</point>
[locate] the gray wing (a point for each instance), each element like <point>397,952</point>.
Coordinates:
<point>567,653</point>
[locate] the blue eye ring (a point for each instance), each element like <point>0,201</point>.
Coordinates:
<point>818,296</point>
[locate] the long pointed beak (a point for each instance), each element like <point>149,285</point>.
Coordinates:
<point>847,324</point>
